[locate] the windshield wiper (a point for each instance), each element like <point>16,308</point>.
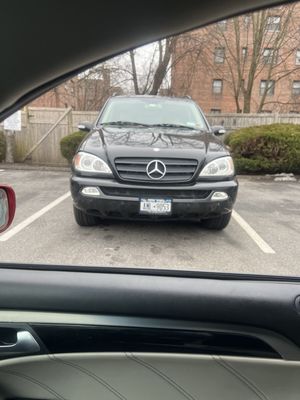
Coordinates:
<point>131,123</point>
<point>125,123</point>
<point>177,126</point>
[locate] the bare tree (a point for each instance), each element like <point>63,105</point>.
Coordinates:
<point>150,72</point>
<point>145,70</point>
<point>165,53</point>
<point>90,89</point>
<point>154,68</point>
<point>185,62</point>
<point>254,45</point>
<point>87,91</point>
<point>134,73</point>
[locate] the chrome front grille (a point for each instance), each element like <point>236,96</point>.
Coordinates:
<point>135,169</point>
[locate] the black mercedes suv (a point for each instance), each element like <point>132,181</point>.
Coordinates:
<point>153,157</point>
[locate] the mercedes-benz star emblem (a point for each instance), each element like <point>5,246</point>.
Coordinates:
<point>156,169</point>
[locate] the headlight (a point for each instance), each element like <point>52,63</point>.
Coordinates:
<point>86,162</point>
<point>220,167</point>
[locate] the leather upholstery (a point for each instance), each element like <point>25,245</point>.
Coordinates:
<point>141,376</point>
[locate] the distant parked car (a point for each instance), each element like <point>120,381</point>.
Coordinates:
<point>151,157</point>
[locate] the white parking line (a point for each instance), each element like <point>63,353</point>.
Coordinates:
<point>252,233</point>
<point>22,225</point>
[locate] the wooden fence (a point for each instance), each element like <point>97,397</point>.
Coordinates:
<point>36,122</point>
<point>237,121</point>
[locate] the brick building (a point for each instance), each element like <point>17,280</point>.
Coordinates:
<point>247,64</point>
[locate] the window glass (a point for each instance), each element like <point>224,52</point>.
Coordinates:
<point>244,52</point>
<point>217,86</point>
<point>247,20</point>
<point>273,23</point>
<point>269,56</point>
<point>222,25</point>
<point>296,88</point>
<point>267,87</point>
<point>152,111</point>
<point>169,101</point>
<point>219,55</point>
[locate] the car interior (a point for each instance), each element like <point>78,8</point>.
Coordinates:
<point>74,332</point>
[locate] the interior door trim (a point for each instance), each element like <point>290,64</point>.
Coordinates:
<point>287,349</point>
<point>266,305</point>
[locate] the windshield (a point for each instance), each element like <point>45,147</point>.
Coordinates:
<point>153,111</point>
<point>180,154</point>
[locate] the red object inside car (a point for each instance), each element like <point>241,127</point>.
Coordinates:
<point>11,199</point>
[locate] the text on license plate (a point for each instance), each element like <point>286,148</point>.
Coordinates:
<point>156,206</point>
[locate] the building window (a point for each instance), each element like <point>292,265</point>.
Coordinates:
<point>269,56</point>
<point>244,52</point>
<point>217,86</point>
<point>215,110</point>
<point>296,88</point>
<point>247,20</point>
<point>266,112</point>
<point>268,87</point>
<point>219,55</point>
<point>222,25</point>
<point>273,23</point>
<point>297,61</point>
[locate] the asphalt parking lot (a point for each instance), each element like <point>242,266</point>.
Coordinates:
<point>263,237</point>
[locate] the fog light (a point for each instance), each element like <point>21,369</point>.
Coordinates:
<point>91,191</point>
<point>219,196</point>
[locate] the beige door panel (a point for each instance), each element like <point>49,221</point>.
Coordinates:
<point>144,376</point>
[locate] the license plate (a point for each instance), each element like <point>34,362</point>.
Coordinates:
<point>156,206</point>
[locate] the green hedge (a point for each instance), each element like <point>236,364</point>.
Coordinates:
<point>70,143</point>
<point>266,149</point>
<point>2,146</point>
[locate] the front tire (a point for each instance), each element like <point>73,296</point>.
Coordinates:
<point>84,219</point>
<point>217,223</point>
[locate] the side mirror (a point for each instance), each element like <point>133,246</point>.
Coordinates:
<point>7,206</point>
<point>218,130</point>
<point>85,126</point>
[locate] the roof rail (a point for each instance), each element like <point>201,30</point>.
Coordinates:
<point>187,97</point>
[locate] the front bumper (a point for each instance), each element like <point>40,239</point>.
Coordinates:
<point>121,200</point>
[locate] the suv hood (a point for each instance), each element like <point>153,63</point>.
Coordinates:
<point>113,142</point>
